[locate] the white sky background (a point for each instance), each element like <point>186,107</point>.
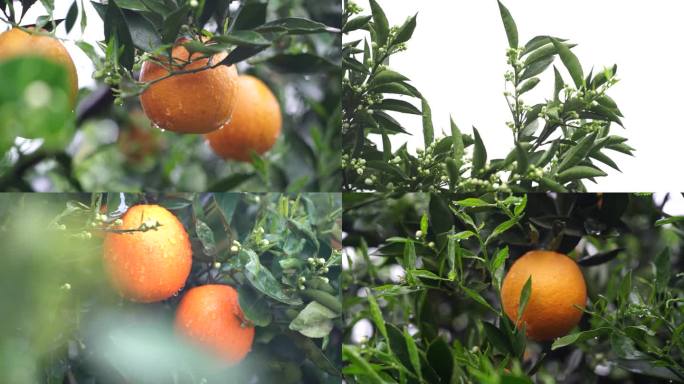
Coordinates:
<point>456,58</point>
<point>94,32</point>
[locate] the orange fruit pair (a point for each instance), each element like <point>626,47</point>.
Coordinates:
<point>238,114</point>
<point>149,258</point>
<point>558,289</point>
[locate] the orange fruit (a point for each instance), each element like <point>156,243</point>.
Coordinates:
<point>557,286</point>
<point>152,265</point>
<point>197,102</point>
<point>210,316</point>
<point>255,124</point>
<point>17,43</point>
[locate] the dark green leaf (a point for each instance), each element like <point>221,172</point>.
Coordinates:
<point>479,153</point>
<point>356,23</point>
<point>428,130</point>
<point>406,30</point>
<point>571,62</point>
<point>380,23</point>
<point>497,338</point>
<point>579,172</point>
<point>509,26</point>
<point>261,278</point>
<point>397,106</point>
<point>577,153</point>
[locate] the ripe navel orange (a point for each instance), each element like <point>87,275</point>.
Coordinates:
<point>17,43</point>
<point>557,286</point>
<point>210,316</point>
<point>151,265</point>
<point>198,102</point>
<point>255,124</point>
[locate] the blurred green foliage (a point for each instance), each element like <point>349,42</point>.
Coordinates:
<point>64,323</point>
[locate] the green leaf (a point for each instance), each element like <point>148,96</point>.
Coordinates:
<point>293,26</point>
<point>254,306</point>
<point>424,223</point>
<point>227,202</point>
<point>497,265</point>
<point>473,202</point>
<point>409,255</point>
<point>579,337</point>
<point>558,84</point>
<point>571,62</point>
<point>206,237</point>
<point>497,338</point>
<point>528,85</point>
<point>453,170</point>
<point>72,14</point>
<point>350,353</point>
<point>406,30</point>
<point>577,153</point>
<point>387,76</point>
<point>376,314</point>
<point>314,321</point>
<point>325,298</point>
<point>521,157</point>
<point>397,106</point>
<point>536,68</point>
<point>413,353</point>
<point>428,130</point>
<point>524,298</point>
<point>479,153</point>
<point>173,23</point>
<point>551,185</point>
<point>143,33</point>
<point>477,297</point>
<point>457,144</point>
<point>252,15</point>
<point>548,154</point>
<point>356,23</point>
<point>579,172</point>
<point>380,23</point>
<point>244,38</point>
<point>501,228</point>
<point>669,220</point>
<point>262,279</point>
<point>509,26</point>
<point>441,360</point>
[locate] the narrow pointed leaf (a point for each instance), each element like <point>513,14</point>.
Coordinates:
<point>571,62</point>
<point>509,25</point>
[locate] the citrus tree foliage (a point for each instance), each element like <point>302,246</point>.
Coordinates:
<point>67,324</point>
<point>557,143</point>
<point>440,319</point>
<point>292,45</point>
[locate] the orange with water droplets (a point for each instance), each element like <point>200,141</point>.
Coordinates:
<point>255,125</point>
<point>151,265</point>
<point>198,102</point>
<point>18,43</point>
<point>557,287</point>
<point>210,316</point>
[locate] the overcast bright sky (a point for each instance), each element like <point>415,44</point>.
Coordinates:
<point>456,59</point>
